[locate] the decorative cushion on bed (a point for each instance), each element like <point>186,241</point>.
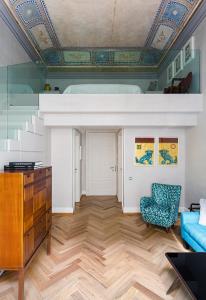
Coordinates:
<point>202,220</point>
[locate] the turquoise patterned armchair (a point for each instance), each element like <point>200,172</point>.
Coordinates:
<point>162,208</point>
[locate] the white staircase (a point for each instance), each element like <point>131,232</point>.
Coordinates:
<point>20,126</point>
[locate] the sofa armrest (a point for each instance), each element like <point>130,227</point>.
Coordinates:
<point>145,201</point>
<point>190,217</point>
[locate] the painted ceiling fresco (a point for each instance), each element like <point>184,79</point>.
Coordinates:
<point>97,32</point>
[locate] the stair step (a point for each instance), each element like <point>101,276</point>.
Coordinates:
<point>13,126</point>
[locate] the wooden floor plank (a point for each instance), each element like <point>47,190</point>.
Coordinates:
<point>100,253</point>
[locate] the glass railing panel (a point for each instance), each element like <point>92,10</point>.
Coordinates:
<point>20,86</point>
<point>25,82</point>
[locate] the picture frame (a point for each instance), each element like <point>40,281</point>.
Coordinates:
<point>189,51</point>
<point>168,151</point>
<point>144,151</point>
<point>170,72</point>
<point>178,63</point>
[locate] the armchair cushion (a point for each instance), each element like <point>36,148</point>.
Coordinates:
<point>157,215</point>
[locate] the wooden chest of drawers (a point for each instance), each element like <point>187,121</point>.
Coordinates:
<point>25,217</point>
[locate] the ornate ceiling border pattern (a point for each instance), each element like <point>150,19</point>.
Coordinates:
<point>36,21</point>
<point>102,57</point>
<point>170,19</point>
<point>20,35</point>
<point>31,24</point>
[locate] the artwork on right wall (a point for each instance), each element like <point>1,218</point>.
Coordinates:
<point>188,51</point>
<point>178,65</point>
<point>170,72</point>
<point>168,151</point>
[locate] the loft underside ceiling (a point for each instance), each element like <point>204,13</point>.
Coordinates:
<point>96,34</point>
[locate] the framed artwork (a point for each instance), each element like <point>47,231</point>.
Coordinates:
<point>189,51</point>
<point>144,151</point>
<point>168,151</point>
<point>178,64</point>
<point>170,72</point>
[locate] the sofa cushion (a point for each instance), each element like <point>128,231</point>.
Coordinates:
<point>197,232</point>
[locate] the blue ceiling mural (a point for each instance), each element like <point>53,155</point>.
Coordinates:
<point>45,36</point>
<point>170,20</point>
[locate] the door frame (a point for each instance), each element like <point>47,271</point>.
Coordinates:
<point>120,133</point>
<point>87,152</point>
<point>75,133</point>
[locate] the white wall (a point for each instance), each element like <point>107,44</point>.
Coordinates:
<point>138,180</point>
<point>196,136</point>
<point>62,166</point>
<point>11,51</point>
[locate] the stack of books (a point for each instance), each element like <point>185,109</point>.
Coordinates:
<point>23,165</point>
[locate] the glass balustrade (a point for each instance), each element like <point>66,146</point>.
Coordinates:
<point>20,86</point>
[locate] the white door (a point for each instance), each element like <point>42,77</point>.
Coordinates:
<point>119,169</point>
<point>77,169</point>
<point>101,163</point>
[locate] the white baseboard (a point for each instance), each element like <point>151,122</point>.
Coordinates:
<point>62,210</point>
<point>83,193</point>
<point>130,210</point>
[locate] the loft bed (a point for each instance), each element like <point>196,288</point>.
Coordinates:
<point>103,89</point>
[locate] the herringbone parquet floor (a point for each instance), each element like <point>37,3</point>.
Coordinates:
<point>99,253</point>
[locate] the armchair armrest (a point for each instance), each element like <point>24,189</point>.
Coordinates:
<point>145,201</point>
<point>190,217</point>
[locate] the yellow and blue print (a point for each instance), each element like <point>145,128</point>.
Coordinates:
<point>168,151</point>
<point>144,151</point>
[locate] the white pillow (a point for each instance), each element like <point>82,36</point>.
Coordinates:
<point>202,220</point>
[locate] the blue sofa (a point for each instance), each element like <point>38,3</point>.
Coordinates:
<point>193,234</point>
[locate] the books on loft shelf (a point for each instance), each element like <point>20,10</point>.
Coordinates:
<point>23,165</point>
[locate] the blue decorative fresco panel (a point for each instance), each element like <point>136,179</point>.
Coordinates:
<point>169,21</point>
<point>52,57</point>
<point>101,57</point>
<point>77,57</point>
<point>175,12</point>
<point>29,12</point>
<point>127,57</point>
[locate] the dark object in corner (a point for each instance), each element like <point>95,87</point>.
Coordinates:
<point>194,207</point>
<point>182,87</point>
